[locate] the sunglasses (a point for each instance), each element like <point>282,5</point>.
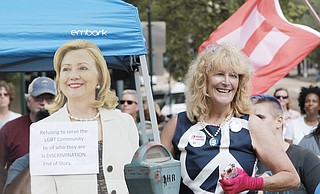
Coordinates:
<point>128,102</point>
<point>283,97</point>
<point>4,94</point>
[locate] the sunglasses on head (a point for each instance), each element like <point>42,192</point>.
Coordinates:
<point>128,102</point>
<point>283,97</point>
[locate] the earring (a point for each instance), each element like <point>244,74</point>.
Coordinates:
<point>97,91</point>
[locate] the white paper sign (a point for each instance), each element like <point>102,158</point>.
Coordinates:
<point>60,148</point>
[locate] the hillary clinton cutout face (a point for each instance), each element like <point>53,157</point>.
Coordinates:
<point>78,75</point>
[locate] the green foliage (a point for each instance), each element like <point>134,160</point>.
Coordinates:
<point>297,12</point>
<point>190,22</point>
<point>10,77</point>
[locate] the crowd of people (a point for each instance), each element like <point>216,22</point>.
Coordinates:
<point>272,148</point>
<point>15,134</point>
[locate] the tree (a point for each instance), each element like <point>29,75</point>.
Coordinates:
<point>190,22</point>
<point>297,12</point>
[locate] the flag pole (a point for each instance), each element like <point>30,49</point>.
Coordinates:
<point>315,15</point>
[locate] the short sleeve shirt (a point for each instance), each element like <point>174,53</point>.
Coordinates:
<point>14,140</point>
<point>307,165</point>
<point>297,129</point>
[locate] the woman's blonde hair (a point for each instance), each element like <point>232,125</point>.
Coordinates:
<point>105,97</point>
<point>217,58</point>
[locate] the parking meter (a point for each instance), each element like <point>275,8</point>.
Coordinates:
<point>153,171</point>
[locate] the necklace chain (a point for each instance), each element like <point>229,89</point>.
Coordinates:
<point>83,120</point>
<point>219,125</point>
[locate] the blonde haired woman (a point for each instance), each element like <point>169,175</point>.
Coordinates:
<point>84,95</point>
<point>216,130</point>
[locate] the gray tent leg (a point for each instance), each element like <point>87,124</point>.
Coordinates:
<point>140,105</point>
<point>146,79</point>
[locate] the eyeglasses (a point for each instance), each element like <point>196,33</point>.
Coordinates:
<point>128,102</point>
<point>4,94</point>
<point>283,97</point>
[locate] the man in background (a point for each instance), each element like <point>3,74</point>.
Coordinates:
<point>18,179</point>
<point>14,135</point>
<point>306,163</point>
<point>129,104</point>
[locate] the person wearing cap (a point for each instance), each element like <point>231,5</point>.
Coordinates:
<point>14,135</point>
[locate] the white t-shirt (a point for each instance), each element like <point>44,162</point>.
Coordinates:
<point>297,129</point>
<point>12,115</point>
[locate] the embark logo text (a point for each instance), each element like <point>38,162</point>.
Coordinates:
<point>87,32</point>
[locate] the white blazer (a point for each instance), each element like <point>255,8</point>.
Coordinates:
<point>120,141</point>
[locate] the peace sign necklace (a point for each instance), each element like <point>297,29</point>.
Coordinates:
<point>213,141</point>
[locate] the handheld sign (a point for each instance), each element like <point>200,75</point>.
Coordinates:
<point>61,148</point>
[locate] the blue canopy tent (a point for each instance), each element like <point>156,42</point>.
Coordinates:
<point>31,31</point>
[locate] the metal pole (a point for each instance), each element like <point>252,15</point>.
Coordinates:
<point>24,109</point>
<point>315,15</point>
<point>140,105</point>
<point>144,70</point>
<point>305,68</point>
<point>150,45</point>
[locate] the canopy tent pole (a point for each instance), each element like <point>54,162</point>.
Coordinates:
<point>140,105</point>
<point>24,109</point>
<point>315,15</point>
<point>147,85</point>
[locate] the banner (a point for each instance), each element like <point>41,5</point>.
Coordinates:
<point>274,45</point>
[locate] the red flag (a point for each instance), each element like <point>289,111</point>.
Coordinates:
<point>274,45</point>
